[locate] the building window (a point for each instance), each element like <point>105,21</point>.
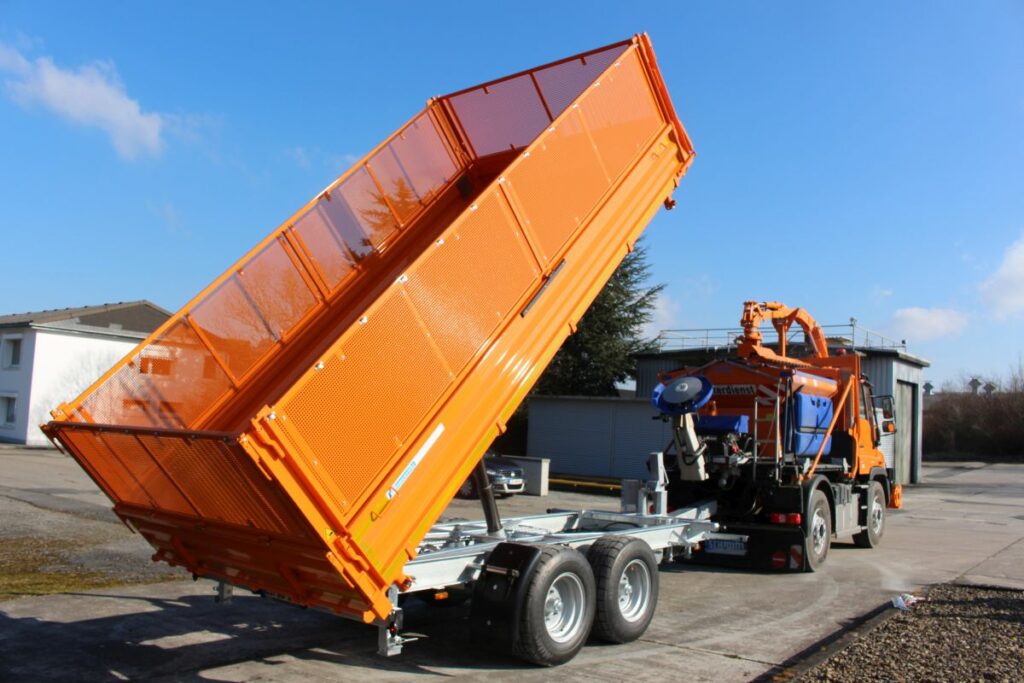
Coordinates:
<point>11,352</point>
<point>8,411</point>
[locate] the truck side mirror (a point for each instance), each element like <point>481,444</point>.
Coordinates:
<point>886,405</point>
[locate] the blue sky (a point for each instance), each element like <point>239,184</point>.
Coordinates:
<point>856,159</point>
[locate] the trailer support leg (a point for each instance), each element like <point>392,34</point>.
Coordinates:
<point>225,593</point>
<point>389,638</point>
<point>483,488</point>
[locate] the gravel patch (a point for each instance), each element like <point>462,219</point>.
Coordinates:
<point>960,633</point>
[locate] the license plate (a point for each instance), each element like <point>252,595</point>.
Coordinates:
<point>718,546</point>
<point>515,482</point>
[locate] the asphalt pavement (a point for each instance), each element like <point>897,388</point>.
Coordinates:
<point>964,524</point>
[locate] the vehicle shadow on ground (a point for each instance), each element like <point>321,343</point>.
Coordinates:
<point>726,565</point>
<point>181,638</point>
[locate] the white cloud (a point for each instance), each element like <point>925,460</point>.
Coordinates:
<point>299,155</point>
<point>11,60</point>
<point>91,95</point>
<point>878,293</point>
<point>346,161</point>
<point>1003,290</point>
<point>663,316</point>
<point>313,157</point>
<point>702,285</point>
<point>922,324</point>
<point>169,215</point>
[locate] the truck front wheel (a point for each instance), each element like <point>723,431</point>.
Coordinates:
<point>818,534</point>
<point>872,534</point>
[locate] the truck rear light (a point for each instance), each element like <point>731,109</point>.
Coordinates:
<point>792,518</point>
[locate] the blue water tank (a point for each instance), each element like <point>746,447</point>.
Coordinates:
<point>809,421</point>
<point>722,424</point>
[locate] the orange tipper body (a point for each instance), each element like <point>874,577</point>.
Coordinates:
<point>300,424</point>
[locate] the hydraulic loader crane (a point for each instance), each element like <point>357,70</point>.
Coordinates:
<point>786,446</point>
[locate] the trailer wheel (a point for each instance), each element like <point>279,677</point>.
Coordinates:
<point>557,611</point>
<point>872,535</point>
<point>626,573</point>
<point>818,534</point>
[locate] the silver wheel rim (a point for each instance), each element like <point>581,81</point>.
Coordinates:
<point>564,607</point>
<point>634,590</point>
<point>877,514</point>
<point>819,532</point>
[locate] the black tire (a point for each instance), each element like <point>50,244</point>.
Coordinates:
<point>626,576</point>
<point>872,535</point>
<point>467,490</point>
<point>817,531</point>
<point>557,611</point>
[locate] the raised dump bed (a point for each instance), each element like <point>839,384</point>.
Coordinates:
<point>299,425</point>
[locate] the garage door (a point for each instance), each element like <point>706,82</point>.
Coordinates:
<point>905,393</point>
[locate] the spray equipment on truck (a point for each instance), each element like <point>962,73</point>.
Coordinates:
<point>762,432</point>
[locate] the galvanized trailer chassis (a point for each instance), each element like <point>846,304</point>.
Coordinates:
<point>455,555</point>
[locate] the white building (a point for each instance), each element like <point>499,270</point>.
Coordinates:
<point>50,357</point>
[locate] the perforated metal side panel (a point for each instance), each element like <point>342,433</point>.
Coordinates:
<point>511,112</point>
<point>245,321</point>
<point>563,83</point>
<point>621,114</point>
<point>358,410</point>
<point>580,183</point>
<point>503,116</point>
<point>487,249</point>
<point>203,478</point>
<point>166,383</point>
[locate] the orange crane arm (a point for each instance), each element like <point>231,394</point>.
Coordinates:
<point>782,318</point>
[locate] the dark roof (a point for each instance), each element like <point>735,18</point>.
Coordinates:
<point>136,316</point>
<point>897,353</point>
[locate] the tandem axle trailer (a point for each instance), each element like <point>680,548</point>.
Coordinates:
<point>540,585</point>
